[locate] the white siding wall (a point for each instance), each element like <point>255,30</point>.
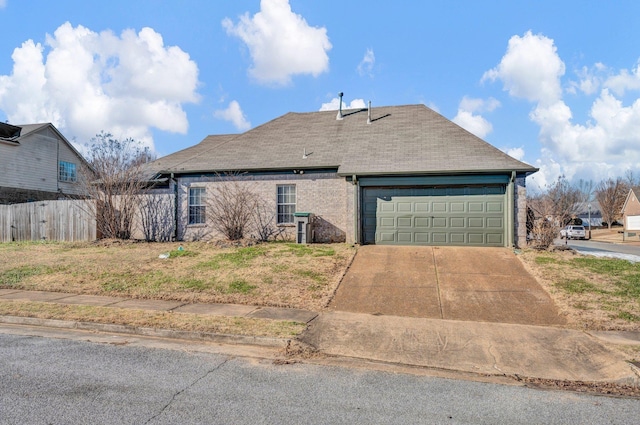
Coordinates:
<point>32,165</point>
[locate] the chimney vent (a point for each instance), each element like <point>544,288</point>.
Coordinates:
<point>339,116</point>
<point>369,114</point>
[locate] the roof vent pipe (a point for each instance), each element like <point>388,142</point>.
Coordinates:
<point>339,116</point>
<point>369,115</point>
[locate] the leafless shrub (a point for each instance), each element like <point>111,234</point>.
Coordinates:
<point>263,223</point>
<point>156,217</point>
<point>231,206</point>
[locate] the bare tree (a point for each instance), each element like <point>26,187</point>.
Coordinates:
<point>611,194</point>
<point>114,181</point>
<point>230,207</point>
<point>554,208</point>
<point>631,179</point>
<point>566,200</point>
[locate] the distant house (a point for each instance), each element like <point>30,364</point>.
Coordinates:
<point>631,215</point>
<point>595,214</point>
<point>37,163</point>
<point>402,175</point>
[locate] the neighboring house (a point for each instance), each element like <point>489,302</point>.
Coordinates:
<point>37,163</point>
<point>631,215</point>
<point>390,175</point>
<point>595,214</point>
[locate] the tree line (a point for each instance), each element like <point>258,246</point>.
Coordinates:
<point>560,203</point>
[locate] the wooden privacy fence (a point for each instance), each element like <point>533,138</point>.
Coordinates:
<point>66,220</point>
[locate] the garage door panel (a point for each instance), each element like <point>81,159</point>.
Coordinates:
<point>405,222</point>
<point>434,216</point>
<point>405,237</point>
<point>421,238</point>
<point>440,238</point>
<point>422,222</point>
<point>476,222</point>
<point>439,207</point>
<point>476,207</point>
<point>406,206</point>
<point>457,238</point>
<point>439,222</point>
<point>495,222</point>
<point>387,207</point>
<point>457,207</point>
<point>457,222</point>
<point>495,207</point>
<point>386,236</point>
<point>388,222</point>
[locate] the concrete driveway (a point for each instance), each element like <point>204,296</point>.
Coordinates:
<point>454,283</point>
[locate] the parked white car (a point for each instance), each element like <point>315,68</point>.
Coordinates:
<point>573,232</point>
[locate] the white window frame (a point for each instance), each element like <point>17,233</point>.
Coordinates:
<point>285,203</point>
<point>197,208</point>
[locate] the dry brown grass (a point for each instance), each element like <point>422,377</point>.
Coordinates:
<point>272,274</point>
<point>153,319</point>
<point>593,293</point>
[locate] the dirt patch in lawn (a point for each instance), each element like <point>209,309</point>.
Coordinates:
<point>270,274</point>
<point>593,293</point>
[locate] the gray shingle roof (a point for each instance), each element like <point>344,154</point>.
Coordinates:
<point>400,140</point>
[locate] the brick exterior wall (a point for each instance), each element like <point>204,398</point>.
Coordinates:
<point>520,213</point>
<point>326,195</point>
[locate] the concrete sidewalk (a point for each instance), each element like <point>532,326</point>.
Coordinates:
<point>476,347</point>
<point>237,310</point>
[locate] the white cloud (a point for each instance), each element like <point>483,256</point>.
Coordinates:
<point>334,105</point>
<point>530,69</point>
<point>84,82</point>
<point>234,115</point>
<point>517,153</point>
<point>3,4</point>
<point>472,122</point>
<point>281,43</point>
<point>590,79</point>
<point>606,145</point>
<point>365,67</point>
<point>624,81</point>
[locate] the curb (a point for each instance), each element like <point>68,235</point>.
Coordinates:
<point>260,341</point>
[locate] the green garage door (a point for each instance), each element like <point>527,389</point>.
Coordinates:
<point>434,216</point>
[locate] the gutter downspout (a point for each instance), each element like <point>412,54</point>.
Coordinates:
<point>175,207</point>
<point>511,210</point>
<point>356,210</point>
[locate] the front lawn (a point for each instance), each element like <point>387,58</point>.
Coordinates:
<point>594,293</point>
<point>270,274</point>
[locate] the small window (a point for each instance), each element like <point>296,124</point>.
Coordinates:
<point>286,203</point>
<point>67,172</point>
<point>197,207</point>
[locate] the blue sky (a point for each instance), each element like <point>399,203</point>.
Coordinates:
<point>555,84</point>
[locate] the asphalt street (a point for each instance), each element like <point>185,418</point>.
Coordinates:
<point>603,248</point>
<point>60,381</point>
